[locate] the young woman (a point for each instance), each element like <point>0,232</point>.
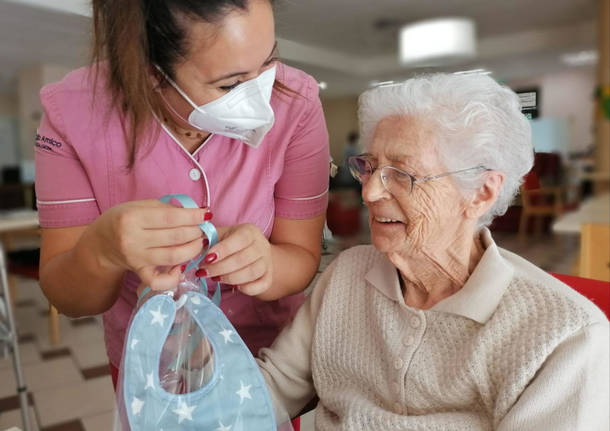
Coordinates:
<point>182,97</point>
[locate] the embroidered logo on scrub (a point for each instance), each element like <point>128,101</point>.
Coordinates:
<point>235,398</point>
<point>46,143</point>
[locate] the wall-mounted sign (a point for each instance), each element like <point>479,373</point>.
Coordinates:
<point>530,100</point>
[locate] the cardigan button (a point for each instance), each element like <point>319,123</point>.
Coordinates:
<point>415,322</point>
<point>398,363</point>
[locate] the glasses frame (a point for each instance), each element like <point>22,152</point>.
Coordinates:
<point>414,180</point>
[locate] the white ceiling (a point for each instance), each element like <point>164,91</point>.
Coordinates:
<point>337,41</point>
<point>32,35</point>
<point>349,25</point>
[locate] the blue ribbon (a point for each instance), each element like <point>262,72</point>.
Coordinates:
<point>209,230</point>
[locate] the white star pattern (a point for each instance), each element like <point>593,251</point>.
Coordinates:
<point>158,317</point>
<point>244,392</point>
<point>136,406</point>
<point>149,381</point>
<point>223,427</point>
<point>133,343</point>
<point>226,333</point>
<point>184,411</point>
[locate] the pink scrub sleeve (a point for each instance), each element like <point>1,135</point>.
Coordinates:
<point>63,190</point>
<point>302,190</point>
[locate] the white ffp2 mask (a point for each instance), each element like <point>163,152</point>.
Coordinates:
<point>243,113</point>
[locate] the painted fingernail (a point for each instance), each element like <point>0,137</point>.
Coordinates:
<point>206,242</point>
<point>216,278</point>
<point>182,268</point>
<point>210,258</point>
<point>208,216</point>
<point>201,273</point>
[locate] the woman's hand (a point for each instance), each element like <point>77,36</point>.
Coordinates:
<point>149,238</point>
<point>242,258</point>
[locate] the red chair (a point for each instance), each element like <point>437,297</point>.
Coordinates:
<point>296,424</point>
<point>596,291</point>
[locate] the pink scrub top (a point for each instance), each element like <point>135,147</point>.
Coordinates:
<point>81,171</point>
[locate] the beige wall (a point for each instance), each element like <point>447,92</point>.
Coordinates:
<point>341,118</point>
<point>8,131</point>
<point>30,81</point>
<point>52,73</point>
<point>8,105</point>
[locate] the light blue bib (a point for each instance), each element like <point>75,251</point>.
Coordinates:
<point>234,399</point>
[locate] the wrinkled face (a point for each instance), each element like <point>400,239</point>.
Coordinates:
<point>223,55</point>
<point>429,218</point>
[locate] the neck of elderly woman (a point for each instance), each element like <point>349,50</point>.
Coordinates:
<point>436,272</point>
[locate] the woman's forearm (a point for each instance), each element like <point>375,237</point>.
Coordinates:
<point>78,282</point>
<point>293,269</point>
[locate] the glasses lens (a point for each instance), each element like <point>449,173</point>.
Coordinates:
<point>397,182</point>
<point>360,168</point>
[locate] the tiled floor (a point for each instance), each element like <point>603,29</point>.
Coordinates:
<point>69,385</point>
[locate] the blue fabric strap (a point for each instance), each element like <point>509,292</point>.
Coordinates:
<point>211,234</point>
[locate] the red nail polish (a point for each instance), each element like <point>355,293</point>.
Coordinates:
<point>182,268</point>
<point>210,258</point>
<point>206,242</point>
<point>216,278</point>
<point>201,273</point>
<point>208,216</point>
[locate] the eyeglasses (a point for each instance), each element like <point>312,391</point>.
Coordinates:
<point>396,181</point>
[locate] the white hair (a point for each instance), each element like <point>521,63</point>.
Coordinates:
<point>475,120</point>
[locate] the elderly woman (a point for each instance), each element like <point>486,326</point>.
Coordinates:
<point>434,327</point>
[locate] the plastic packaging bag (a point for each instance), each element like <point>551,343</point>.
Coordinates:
<point>184,366</point>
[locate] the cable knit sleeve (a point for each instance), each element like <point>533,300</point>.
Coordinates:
<point>286,365</point>
<point>570,391</point>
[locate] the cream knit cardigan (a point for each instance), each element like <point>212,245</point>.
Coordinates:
<point>514,349</point>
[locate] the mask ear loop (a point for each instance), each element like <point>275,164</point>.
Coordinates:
<point>182,93</point>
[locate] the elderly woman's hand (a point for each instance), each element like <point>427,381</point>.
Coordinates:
<point>241,258</point>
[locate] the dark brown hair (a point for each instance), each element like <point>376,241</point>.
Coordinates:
<point>132,36</point>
